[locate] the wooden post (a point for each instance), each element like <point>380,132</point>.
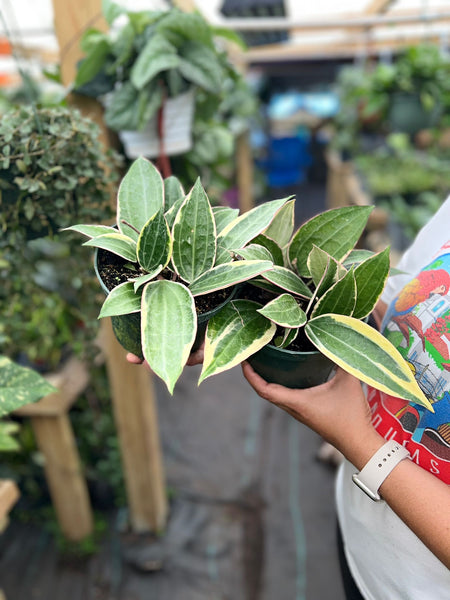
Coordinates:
<point>9,494</point>
<point>131,387</point>
<point>54,436</point>
<point>244,172</point>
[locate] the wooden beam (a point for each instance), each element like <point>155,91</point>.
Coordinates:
<point>131,387</point>
<point>186,5</point>
<point>376,7</point>
<point>9,494</point>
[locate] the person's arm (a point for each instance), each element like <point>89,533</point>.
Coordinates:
<point>338,411</point>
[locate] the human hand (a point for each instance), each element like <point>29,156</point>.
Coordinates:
<point>195,358</point>
<point>337,410</point>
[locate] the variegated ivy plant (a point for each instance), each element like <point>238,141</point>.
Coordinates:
<point>181,248</point>
<point>322,285</point>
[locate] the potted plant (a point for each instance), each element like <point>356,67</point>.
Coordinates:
<point>313,302</point>
<point>176,248</point>
<point>53,170</point>
<point>148,69</point>
<point>169,258</point>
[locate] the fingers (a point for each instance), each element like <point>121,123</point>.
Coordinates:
<point>133,359</point>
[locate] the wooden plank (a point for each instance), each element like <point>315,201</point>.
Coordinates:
<point>64,475</point>
<point>136,422</point>
<point>9,494</point>
<point>244,172</point>
<point>137,427</point>
<point>376,7</point>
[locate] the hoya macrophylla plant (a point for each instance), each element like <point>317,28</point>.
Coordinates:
<point>179,248</point>
<point>321,286</point>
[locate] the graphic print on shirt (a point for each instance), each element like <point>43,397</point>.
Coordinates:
<point>417,323</point>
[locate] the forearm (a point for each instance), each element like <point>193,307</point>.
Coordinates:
<point>419,498</point>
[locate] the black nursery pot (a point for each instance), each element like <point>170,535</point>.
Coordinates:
<point>292,369</point>
<point>127,328</point>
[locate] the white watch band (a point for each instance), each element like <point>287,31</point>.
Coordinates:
<point>378,468</point>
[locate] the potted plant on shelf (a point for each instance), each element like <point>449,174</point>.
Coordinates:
<point>176,248</point>
<point>148,68</point>
<point>53,170</point>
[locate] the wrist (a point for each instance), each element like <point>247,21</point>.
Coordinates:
<point>360,448</point>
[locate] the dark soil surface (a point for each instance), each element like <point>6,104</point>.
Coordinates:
<point>115,270</point>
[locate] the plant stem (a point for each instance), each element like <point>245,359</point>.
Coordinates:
<point>130,226</point>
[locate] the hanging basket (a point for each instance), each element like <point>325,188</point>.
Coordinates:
<point>177,118</point>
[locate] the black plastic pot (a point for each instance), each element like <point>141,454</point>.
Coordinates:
<point>127,328</point>
<point>292,369</point>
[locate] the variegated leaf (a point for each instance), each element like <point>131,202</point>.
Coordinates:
<point>285,311</point>
<point>91,231</point>
<point>223,216</point>
<point>272,247</point>
<point>370,276</point>
<point>122,300</point>
<point>366,354</point>
<point>19,386</point>
<point>171,214</point>
<point>173,191</point>
<point>227,275</point>
<point>324,269</point>
<point>154,245</point>
<point>285,340</point>
<point>169,327</point>
<point>140,196</point>
<point>339,299</point>
<point>117,243</point>
<point>336,231</point>
<point>254,252</point>
<point>282,226</point>
<point>236,332</point>
<point>194,235</point>
<point>246,227</point>
<point>138,282</point>
<point>287,280</point>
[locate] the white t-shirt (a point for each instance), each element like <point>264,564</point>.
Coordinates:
<point>387,560</point>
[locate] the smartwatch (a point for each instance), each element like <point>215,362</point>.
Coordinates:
<point>370,478</point>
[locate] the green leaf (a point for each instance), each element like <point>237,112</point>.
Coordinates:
<point>370,276</point>
<point>286,339</point>
<point>194,235</point>
<point>140,196</point>
<point>340,298</point>
<point>228,274</point>
<point>254,252</point>
<point>366,354</point>
<point>122,300</point>
<point>116,243</point>
<point>223,215</point>
<point>171,214</point>
<point>154,246</point>
<point>287,280</point>
<point>173,191</point>
<point>7,441</point>
<point>157,55</point>
<point>91,231</point>
<point>19,386</point>
<point>199,65</point>
<point>272,247</point>
<point>246,227</point>
<point>281,228</point>
<point>111,11</point>
<point>143,279</point>
<point>324,269</point>
<point>169,326</point>
<point>356,257</point>
<point>236,332</point>
<point>92,64</point>
<point>336,231</point>
<point>285,311</point>
<point>122,112</point>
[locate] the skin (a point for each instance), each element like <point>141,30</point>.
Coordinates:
<point>339,413</point>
